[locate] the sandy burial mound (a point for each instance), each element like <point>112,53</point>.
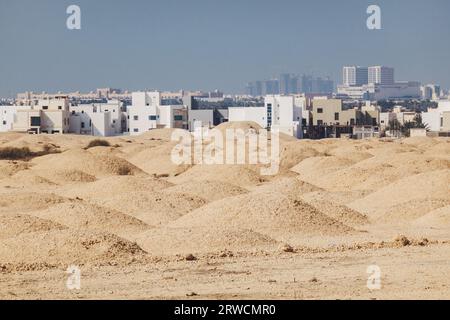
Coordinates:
<point>210,239</point>
<point>78,214</point>
<point>20,202</point>
<point>407,199</point>
<point>370,174</point>
<point>57,167</point>
<point>115,185</point>
<point>209,190</point>
<point>143,198</point>
<point>157,161</point>
<point>275,209</point>
<point>65,247</point>
<point>37,142</point>
<point>12,225</point>
<point>315,169</point>
<point>439,218</point>
<point>242,176</point>
<point>326,202</point>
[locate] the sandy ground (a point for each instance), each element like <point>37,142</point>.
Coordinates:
<point>140,227</point>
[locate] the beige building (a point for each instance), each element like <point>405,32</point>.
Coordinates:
<point>329,112</point>
<point>47,116</point>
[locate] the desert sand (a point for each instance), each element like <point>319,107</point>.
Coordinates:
<point>141,227</point>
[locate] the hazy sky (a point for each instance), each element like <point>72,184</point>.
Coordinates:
<point>209,44</point>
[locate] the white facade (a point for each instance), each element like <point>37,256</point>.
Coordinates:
<point>373,92</point>
<point>282,114</point>
<point>255,114</point>
<point>279,112</point>
<point>98,119</point>
<point>201,118</point>
<point>355,76</point>
<point>45,116</point>
<point>434,118</point>
<point>147,113</point>
<point>381,75</point>
<point>8,116</point>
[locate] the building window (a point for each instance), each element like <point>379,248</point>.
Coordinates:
<point>35,121</point>
<point>136,118</point>
<point>352,122</point>
<point>178,118</point>
<point>153,118</point>
<point>135,130</point>
<point>319,110</point>
<point>336,116</point>
<point>82,125</point>
<point>59,107</point>
<point>44,107</point>
<point>4,122</point>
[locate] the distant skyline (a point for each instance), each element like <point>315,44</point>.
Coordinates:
<point>212,44</point>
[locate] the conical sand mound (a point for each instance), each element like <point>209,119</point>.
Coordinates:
<point>84,216</point>
<point>82,161</point>
<point>157,161</point>
<point>210,190</point>
<point>68,247</point>
<point>27,201</point>
<point>155,208</point>
<point>324,202</point>
<point>12,225</point>
<point>439,218</point>
<point>408,198</point>
<point>116,185</point>
<point>174,241</point>
<point>242,176</point>
<point>273,211</point>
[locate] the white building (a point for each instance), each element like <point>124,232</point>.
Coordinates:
<point>434,118</point>
<point>279,112</point>
<point>98,119</point>
<point>44,116</point>
<point>381,75</point>
<point>399,90</point>
<point>431,92</point>
<point>255,114</point>
<point>147,113</point>
<point>8,116</point>
<point>355,76</point>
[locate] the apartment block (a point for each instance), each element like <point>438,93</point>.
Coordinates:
<point>98,119</point>
<point>147,113</point>
<point>47,116</point>
<point>279,113</point>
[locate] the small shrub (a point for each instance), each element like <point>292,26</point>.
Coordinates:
<point>98,143</point>
<point>124,171</point>
<point>24,153</point>
<point>10,153</point>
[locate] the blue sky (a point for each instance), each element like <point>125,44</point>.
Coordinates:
<point>209,44</point>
